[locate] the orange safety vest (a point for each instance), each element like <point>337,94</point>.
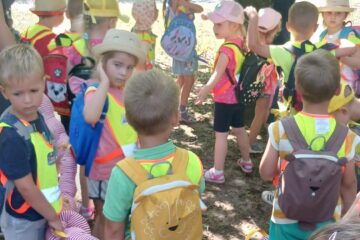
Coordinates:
<point>39,37</point>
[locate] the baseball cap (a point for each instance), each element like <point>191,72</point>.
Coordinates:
<point>339,100</point>
<point>268,19</point>
<point>105,8</point>
<point>226,10</point>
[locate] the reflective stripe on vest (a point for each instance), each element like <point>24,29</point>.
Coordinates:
<point>239,59</point>
<point>120,130</point>
<point>81,47</point>
<point>34,33</point>
<point>47,177</point>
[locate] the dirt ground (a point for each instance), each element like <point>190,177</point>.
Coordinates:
<point>236,206</point>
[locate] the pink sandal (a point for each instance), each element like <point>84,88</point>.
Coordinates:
<point>246,166</point>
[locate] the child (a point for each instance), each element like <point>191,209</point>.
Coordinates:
<point>153,121</point>
<point>145,14</point>
<point>33,195</point>
<point>118,53</point>
<point>302,24</point>
<point>334,14</point>
<point>228,19</point>
<point>314,73</point>
<point>184,70</point>
<point>51,14</point>
<point>346,109</point>
<point>268,26</point>
<point>343,230</point>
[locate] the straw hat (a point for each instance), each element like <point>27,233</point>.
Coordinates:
<point>336,6</point>
<point>122,41</point>
<point>105,8</point>
<point>48,7</point>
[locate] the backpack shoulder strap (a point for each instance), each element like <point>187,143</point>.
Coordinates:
<point>323,34</point>
<point>294,134</point>
<point>180,161</point>
<point>345,31</point>
<point>337,138</point>
<point>133,170</point>
<point>242,52</point>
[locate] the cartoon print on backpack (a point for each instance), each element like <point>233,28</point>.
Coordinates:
<point>56,91</point>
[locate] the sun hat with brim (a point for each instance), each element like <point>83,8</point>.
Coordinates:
<point>268,19</point>
<point>122,41</point>
<point>48,7</point>
<point>227,10</point>
<point>105,8</point>
<point>336,6</point>
<point>339,100</point>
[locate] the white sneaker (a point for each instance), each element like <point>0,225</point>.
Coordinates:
<point>268,197</point>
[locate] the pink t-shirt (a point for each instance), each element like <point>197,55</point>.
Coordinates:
<point>228,96</point>
<point>74,56</point>
<point>107,143</point>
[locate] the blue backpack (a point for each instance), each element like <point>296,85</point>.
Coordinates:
<point>84,138</point>
<point>179,39</point>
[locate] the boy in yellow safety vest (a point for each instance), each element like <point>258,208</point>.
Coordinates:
<point>27,156</point>
<point>144,97</point>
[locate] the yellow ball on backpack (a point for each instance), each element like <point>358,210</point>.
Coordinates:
<point>105,8</point>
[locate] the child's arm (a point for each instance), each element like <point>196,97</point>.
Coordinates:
<point>345,51</point>
<point>268,166</point>
<point>114,230</point>
<point>94,106</point>
<point>352,61</point>
<point>33,196</point>
<point>220,67</point>
<point>348,186</point>
<point>6,37</point>
<point>252,32</point>
<point>192,7</point>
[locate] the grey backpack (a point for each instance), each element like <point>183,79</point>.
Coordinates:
<point>309,185</point>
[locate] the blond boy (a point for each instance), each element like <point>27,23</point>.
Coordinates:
<point>33,197</point>
<point>317,78</point>
<point>144,96</point>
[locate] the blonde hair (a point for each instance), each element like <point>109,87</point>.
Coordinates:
<point>151,102</point>
<point>317,76</point>
<point>17,62</point>
<point>303,16</point>
<point>342,230</point>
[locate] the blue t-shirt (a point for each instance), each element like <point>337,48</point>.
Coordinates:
<point>16,163</point>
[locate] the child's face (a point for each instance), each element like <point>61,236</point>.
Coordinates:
<point>222,30</point>
<point>334,19</point>
<point>58,19</point>
<point>25,96</point>
<point>119,68</point>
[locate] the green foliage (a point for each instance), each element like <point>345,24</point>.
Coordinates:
<point>256,3</point>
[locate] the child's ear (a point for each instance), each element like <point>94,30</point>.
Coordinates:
<point>2,90</point>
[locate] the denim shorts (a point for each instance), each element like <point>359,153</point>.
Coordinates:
<point>185,68</point>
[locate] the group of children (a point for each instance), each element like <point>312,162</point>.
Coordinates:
<point>143,108</point>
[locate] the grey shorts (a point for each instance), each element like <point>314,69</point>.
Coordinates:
<point>19,229</point>
<point>187,68</point>
<point>97,189</point>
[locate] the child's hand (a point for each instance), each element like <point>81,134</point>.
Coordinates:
<point>102,75</point>
<point>251,12</point>
<point>202,94</point>
<point>56,225</point>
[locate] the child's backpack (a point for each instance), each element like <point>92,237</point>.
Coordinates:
<point>310,181</point>
<point>179,39</point>
<point>84,138</point>
<point>250,83</point>
<point>289,91</point>
<point>166,207</point>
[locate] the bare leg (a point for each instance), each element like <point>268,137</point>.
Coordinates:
<point>261,114</point>
<point>220,150</point>
<point>98,229</point>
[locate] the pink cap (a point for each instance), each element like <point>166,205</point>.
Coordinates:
<point>268,19</point>
<point>227,10</point>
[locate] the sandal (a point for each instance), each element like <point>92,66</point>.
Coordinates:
<point>211,176</point>
<point>256,233</point>
<point>186,118</point>
<point>246,166</point>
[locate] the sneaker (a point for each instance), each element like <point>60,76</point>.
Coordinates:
<point>256,148</point>
<point>210,176</point>
<point>186,118</point>
<point>246,166</point>
<point>268,197</point>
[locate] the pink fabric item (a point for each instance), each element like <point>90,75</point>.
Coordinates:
<point>144,13</point>
<point>75,227</point>
<point>268,19</point>
<point>226,10</point>
<point>106,145</point>
<point>75,82</point>
<point>67,162</point>
<point>229,95</point>
<point>271,80</point>
<point>74,56</point>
